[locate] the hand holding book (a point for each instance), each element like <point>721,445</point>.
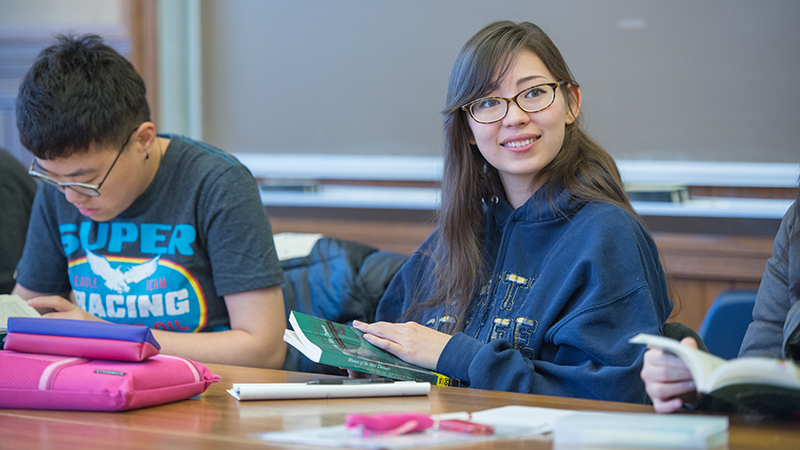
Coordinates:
<point>667,379</point>
<point>410,341</point>
<point>760,385</point>
<point>344,346</point>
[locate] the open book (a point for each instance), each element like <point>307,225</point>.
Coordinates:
<point>334,344</point>
<point>765,385</point>
<point>14,306</point>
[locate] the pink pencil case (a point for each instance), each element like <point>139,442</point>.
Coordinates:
<point>37,381</point>
<point>85,339</point>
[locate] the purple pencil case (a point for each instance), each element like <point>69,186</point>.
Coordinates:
<point>79,338</point>
<point>36,381</point>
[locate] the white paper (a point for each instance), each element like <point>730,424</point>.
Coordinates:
<point>540,420</point>
<point>283,391</point>
<point>616,430</point>
<point>339,436</point>
<point>294,245</point>
<point>509,422</point>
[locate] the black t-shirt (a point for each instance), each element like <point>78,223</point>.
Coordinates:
<point>198,232</point>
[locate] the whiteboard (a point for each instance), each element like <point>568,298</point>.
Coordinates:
<point>679,80</point>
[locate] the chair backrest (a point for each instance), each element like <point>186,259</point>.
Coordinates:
<point>726,322</point>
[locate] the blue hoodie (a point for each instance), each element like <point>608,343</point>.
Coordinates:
<point>570,283</point>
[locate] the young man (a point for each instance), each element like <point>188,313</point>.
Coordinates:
<point>131,226</point>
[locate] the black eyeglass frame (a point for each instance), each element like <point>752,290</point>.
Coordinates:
<point>555,86</point>
<point>81,188</point>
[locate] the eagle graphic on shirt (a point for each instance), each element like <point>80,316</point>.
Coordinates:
<point>117,280</point>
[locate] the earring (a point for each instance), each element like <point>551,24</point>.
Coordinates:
<point>147,155</point>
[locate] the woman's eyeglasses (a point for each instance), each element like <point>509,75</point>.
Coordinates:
<point>530,100</point>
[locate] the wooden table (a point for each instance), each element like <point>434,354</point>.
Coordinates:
<point>216,420</point>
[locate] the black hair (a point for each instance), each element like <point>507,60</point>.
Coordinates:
<point>79,92</point>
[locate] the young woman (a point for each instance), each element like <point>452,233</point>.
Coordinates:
<point>774,332</point>
<point>539,270</point>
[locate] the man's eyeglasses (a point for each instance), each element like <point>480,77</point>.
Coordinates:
<point>531,100</point>
<point>81,188</point>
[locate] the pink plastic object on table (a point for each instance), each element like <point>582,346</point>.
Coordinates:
<point>388,424</point>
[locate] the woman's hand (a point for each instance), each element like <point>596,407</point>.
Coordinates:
<point>64,309</point>
<point>667,380</point>
<point>409,341</point>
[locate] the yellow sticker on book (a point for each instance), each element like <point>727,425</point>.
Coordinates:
<point>442,380</point>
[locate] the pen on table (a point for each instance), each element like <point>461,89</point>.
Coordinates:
<point>351,381</point>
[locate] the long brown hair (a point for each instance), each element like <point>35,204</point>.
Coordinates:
<point>581,166</point>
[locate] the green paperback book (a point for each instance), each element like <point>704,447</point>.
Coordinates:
<point>338,345</point>
<point>764,385</point>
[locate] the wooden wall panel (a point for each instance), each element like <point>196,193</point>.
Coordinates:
<point>712,257</point>
<point>742,192</point>
<point>397,236</point>
<point>143,28</point>
<point>693,297</point>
